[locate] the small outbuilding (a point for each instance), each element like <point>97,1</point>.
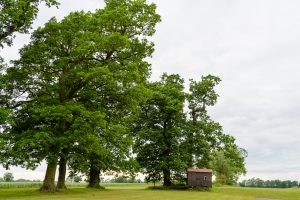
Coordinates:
<point>199,178</point>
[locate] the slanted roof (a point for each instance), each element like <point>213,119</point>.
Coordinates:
<point>199,170</point>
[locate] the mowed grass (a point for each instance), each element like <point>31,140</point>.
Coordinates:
<point>140,191</point>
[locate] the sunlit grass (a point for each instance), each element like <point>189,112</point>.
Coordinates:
<point>140,191</point>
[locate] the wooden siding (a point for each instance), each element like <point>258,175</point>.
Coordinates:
<point>197,179</point>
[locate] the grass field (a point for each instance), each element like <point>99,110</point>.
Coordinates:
<point>140,191</point>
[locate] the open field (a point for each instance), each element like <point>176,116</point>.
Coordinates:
<point>139,191</point>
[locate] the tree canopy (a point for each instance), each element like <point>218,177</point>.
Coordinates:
<point>159,129</point>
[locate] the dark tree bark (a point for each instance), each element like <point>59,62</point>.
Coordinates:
<point>190,140</point>
<point>166,170</point>
<point>49,180</point>
<point>94,178</point>
<point>167,177</point>
<point>61,184</point>
<point>190,150</point>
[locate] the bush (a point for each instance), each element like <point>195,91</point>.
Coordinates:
<point>172,187</point>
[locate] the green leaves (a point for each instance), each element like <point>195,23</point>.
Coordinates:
<point>167,141</point>
<point>229,164</point>
<point>159,128</point>
<point>79,92</point>
<point>80,81</point>
<point>17,16</point>
<point>202,94</point>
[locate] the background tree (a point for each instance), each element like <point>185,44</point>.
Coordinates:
<point>8,177</point>
<point>202,134</point>
<point>77,179</point>
<point>204,139</point>
<point>257,182</point>
<point>159,129</point>
<point>229,164</point>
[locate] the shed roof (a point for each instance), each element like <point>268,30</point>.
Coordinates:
<point>199,170</point>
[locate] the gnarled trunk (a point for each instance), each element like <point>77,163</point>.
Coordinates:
<point>49,180</point>
<point>61,184</point>
<point>94,178</point>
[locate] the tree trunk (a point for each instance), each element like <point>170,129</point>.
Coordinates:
<point>190,149</point>
<point>166,155</point>
<point>94,178</point>
<point>190,140</point>
<point>61,184</point>
<point>167,177</point>
<point>49,180</point>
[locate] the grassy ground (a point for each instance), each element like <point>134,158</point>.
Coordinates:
<point>139,191</point>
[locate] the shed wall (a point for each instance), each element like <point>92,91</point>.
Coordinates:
<point>197,179</point>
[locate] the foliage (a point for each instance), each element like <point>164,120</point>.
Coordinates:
<point>8,177</point>
<point>228,166</point>
<point>26,180</point>
<point>205,144</point>
<point>159,129</point>
<point>77,179</point>
<point>79,95</point>
<point>202,134</point>
<point>153,178</point>
<point>124,179</point>
<point>171,187</point>
<point>17,16</point>
<point>168,142</point>
<point>75,88</point>
<point>121,85</point>
<point>259,183</point>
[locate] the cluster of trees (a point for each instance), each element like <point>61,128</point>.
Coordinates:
<point>79,97</point>
<point>168,140</point>
<point>256,182</point>
<point>124,179</point>
<point>9,177</point>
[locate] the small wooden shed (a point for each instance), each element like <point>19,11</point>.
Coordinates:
<point>199,178</point>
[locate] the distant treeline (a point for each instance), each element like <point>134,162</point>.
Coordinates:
<point>123,179</point>
<point>256,182</point>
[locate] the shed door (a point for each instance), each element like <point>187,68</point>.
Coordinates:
<point>205,181</point>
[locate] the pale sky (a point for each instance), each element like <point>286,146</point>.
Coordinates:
<point>252,45</point>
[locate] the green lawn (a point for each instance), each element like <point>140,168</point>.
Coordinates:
<point>139,191</point>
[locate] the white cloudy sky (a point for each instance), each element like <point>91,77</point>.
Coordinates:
<point>253,45</point>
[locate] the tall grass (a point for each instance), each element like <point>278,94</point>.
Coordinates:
<point>7,185</point>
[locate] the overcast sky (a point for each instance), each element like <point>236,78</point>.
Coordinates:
<point>252,45</point>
